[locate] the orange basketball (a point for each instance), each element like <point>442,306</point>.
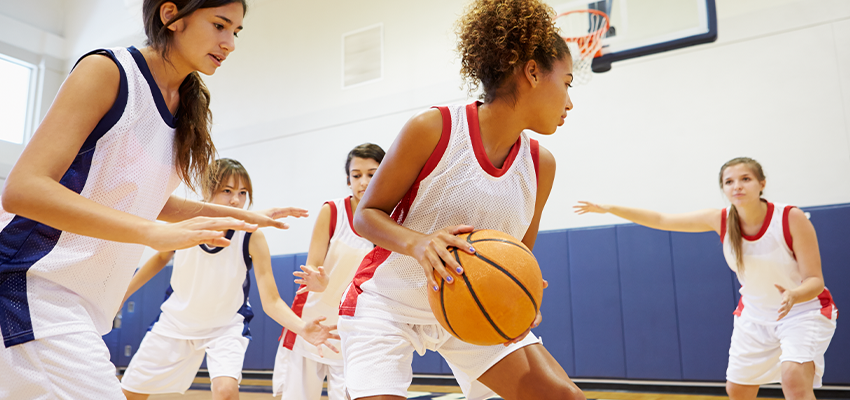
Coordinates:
<point>498,295</point>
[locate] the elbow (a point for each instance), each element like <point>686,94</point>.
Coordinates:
<point>11,199</point>
<point>360,224</point>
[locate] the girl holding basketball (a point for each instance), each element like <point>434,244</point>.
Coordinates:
<point>451,169</point>
<point>126,127</point>
<point>335,252</point>
<point>206,311</point>
<point>786,317</point>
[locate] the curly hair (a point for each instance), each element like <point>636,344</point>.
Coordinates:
<point>498,36</point>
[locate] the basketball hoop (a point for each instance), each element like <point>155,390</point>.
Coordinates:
<point>583,31</point>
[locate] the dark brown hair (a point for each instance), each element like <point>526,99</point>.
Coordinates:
<point>365,150</point>
<point>193,147</point>
<point>498,37</point>
<point>223,169</point>
<point>733,224</point>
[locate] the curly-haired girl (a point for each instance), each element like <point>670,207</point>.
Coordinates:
<point>451,169</point>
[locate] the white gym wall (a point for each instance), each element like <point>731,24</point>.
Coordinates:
<point>651,133</point>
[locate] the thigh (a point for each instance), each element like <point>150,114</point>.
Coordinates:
<point>378,357</point>
<point>162,365</point>
<point>804,339</point>
<point>70,366</point>
<point>530,372</point>
<point>753,354</point>
<point>225,355</point>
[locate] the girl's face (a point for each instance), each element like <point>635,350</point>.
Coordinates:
<point>204,38</point>
<point>231,193</point>
<point>741,185</point>
<point>550,99</point>
<point>360,172</point>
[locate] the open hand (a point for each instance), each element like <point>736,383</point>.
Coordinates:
<point>431,251</point>
<point>269,216</point>
<point>789,298</point>
<point>585,207</point>
<point>318,335</point>
<point>311,280</point>
<point>194,231</point>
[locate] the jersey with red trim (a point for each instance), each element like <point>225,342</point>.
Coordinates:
<point>346,250</point>
<point>457,185</point>
<point>769,260</point>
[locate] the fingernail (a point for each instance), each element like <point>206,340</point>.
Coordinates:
<point>449,278</point>
<point>459,270</point>
<point>436,288</point>
<point>472,249</point>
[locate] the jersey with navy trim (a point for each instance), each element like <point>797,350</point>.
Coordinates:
<point>345,252</point>
<point>56,282</point>
<point>458,185</point>
<point>769,260</point>
<point>209,291</point>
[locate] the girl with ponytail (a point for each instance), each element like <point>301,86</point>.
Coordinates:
<point>786,317</point>
<point>127,126</point>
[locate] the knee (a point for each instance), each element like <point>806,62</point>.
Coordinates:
<point>225,391</point>
<point>795,386</point>
<point>741,392</point>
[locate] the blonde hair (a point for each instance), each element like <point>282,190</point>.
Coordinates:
<point>736,238</point>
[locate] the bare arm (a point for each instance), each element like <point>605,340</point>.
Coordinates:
<point>148,271</point>
<point>32,189</point>
<point>312,331</point>
<point>806,249</point>
<point>312,275</point>
<point>179,209</point>
<point>402,164</point>
<point>697,221</point>
<point>544,187</point>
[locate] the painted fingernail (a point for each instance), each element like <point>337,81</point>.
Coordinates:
<point>472,249</point>
<point>436,288</point>
<point>449,279</point>
<point>459,270</point>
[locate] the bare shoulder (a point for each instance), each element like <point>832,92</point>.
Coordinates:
<point>97,68</point>
<point>547,159</point>
<point>797,219</point>
<point>424,128</point>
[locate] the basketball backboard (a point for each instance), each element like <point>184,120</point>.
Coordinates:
<point>643,27</point>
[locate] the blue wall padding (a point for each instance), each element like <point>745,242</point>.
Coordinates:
<point>623,302</point>
<point>649,304</point>
<point>705,301</point>
<point>595,296</point>
<point>557,331</point>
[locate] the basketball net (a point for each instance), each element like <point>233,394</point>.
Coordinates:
<point>583,31</point>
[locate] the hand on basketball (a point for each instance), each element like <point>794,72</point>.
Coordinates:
<point>269,216</point>
<point>587,207</point>
<point>537,320</point>
<point>192,232</point>
<point>318,334</point>
<point>431,251</point>
<point>311,280</point>
<point>789,298</point>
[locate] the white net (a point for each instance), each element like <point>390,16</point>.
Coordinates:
<point>583,31</point>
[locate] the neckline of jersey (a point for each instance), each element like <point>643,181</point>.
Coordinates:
<point>213,250</point>
<point>478,144</point>
<point>764,225</point>
<point>166,115</point>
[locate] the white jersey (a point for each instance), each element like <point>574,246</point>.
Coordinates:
<point>346,250</point>
<point>457,185</point>
<point>769,259</point>
<point>57,282</point>
<point>209,291</point>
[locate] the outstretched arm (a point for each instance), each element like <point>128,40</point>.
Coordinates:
<point>697,221</point>
<point>312,276</point>
<point>148,271</point>
<point>312,331</point>
<point>806,250</point>
<point>179,209</point>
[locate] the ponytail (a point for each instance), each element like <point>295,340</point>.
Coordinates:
<point>193,146</point>
<point>736,239</point>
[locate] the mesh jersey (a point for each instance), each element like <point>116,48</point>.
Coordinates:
<point>54,282</point>
<point>769,259</point>
<point>345,252</point>
<point>209,291</point>
<point>457,185</point>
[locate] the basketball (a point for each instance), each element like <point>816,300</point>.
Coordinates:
<point>498,295</point>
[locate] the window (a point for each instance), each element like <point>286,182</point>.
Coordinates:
<point>16,81</point>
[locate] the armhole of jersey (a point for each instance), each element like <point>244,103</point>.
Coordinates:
<point>722,225</point>
<point>116,111</point>
<point>535,156</point>
<point>442,145</point>
<point>786,229</point>
<point>246,251</point>
<point>332,227</point>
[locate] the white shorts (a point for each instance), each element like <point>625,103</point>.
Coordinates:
<point>299,377</point>
<point>378,356</point>
<point>758,349</point>
<point>69,366</point>
<point>168,365</point>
